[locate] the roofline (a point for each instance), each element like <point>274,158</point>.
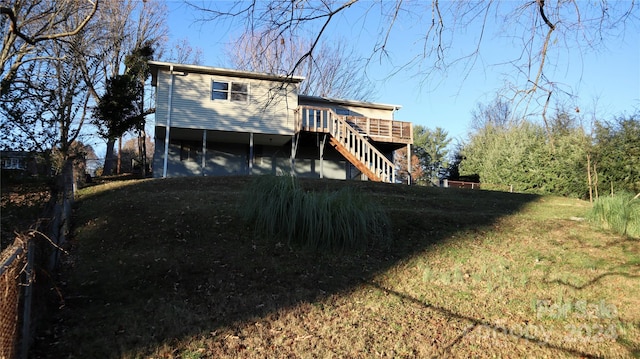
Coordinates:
<point>157,65</point>
<point>381,106</point>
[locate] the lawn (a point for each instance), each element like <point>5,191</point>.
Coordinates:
<point>20,205</point>
<point>166,269</point>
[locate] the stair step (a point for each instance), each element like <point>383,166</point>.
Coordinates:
<point>351,158</point>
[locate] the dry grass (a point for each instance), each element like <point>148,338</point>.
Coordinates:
<point>165,269</point>
<point>20,206</point>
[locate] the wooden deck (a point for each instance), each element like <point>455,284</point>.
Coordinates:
<point>356,138</point>
<point>320,119</point>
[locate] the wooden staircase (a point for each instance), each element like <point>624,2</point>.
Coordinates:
<point>350,143</point>
<point>351,158</point>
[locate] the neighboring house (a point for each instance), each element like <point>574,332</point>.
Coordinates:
<point>14,160</point>
<point>21,162</point>
<point>212,121</point>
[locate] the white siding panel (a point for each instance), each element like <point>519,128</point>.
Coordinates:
<point>373,113</point>
<point>353,109</point>
<point>162,98</point>
<point>268,110</point>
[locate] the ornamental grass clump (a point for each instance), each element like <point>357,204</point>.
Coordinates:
<point>319,220</point>
<point>620,213</point>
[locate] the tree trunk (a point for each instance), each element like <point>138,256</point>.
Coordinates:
<point>595,181</point>
<point>589,178</point>
<point>142,149</point>
<point>119,154</point>
<point>109,159</point>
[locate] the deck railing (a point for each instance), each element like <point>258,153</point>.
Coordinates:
<point>325,120</point>
<point>382,130</point>
<point>314,119</point>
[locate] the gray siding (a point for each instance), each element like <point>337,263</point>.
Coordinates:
<point>185,159</point>
<point>220,159</point>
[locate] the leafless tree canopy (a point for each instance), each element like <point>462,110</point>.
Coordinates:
<point>543,30</point>
<point>496,114</point>
<point>44,100</point>
<point>330,71</point>
<point>56,56</point>
<point>27,25</point>
<point>121,26</point>
<point>182,52</point>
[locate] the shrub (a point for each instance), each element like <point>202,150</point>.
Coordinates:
<point>620,213</point>
<point>323,220</point>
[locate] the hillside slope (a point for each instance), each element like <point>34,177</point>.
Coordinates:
<point>166,269</point>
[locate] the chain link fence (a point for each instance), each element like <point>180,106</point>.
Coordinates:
<point>476,185</point>
<point>13,262</point>
<point>34,253</point>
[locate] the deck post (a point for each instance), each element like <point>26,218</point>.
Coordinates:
<point>204,150</point>
<point>409,164</point>
<point>294,143</point>
<point>250,153</point>
<point>322,142</point>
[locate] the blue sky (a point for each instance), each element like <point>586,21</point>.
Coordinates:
<point>605,81</point>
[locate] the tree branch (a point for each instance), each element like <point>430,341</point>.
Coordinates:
<point>13,24</point>
<point>544,17</point>
<point>15,27</point>
<point>329,16</point>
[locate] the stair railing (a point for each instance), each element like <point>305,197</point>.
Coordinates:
<point>326,120</point>
<point>360,147</point>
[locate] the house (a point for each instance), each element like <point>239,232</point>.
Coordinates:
<point>212,121</point>
<point>19,163</point>
<point>14,160</point>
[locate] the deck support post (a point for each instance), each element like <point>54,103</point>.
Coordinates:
<point>204,150</point>
<point>294,143</point>
<point>322,142</point>
<point>409,164</point>
<point>250,153</point>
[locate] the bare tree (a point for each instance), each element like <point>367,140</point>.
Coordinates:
<point>70,94</point>
<point>408,174</point>
<point>57,55</point>
<point>496,114</point>
<point>27,25</point>
<point>123,26</point>
<point>25,111</point>
<point>47,102</point>
<point>544,31</point>
<point>330,71</point>
<point>182,52</point>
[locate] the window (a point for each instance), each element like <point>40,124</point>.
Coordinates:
<point>220,91</point>
<point>239,91</point>
<point>12,163</point>
<point>230,91</point>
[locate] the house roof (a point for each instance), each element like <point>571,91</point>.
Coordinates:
<point>155,66</point>
<point>14,154</point>
<point>158,65</point>
<point>335,101</point>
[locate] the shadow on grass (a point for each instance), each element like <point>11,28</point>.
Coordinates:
<point>594,280</point>
<point>476,322</point>
<point>164,260</point>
